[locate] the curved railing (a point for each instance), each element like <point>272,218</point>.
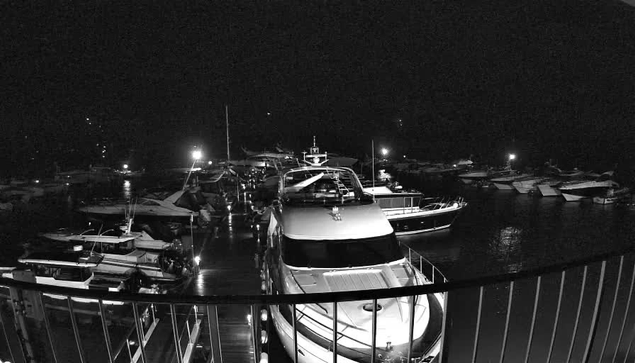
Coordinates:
<point>571,311</point>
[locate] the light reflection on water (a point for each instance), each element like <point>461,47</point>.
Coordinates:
<point>127,189</point>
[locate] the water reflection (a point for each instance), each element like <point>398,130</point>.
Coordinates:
<point>127,189</point>
<point>505,246</point>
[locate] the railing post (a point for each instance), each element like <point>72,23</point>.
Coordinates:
<point>135,312</point>
<point>509,310</point>
<point>411,326</point>
<point>444,323</point>
<point>47,325</point>
<point>104,325</point>
<point>373,351</point>
<point>6,337</point>
<point>335,332</point>
<point>254,330</point>
<point>628,306</point>
<point>295,334</point>
<point>577,316</point>
<point>175,333</point>
<point>596,315</point>
<point>214,333</point>
<point>617,289</point>
<point>75,330</point>
<point>478,323</point>
<point>533,319</point>
<point>555,324</point>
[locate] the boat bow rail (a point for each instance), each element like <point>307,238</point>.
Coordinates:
<point>187,328</point>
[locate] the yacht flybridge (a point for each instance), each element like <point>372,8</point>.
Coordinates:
<point>326,235</point>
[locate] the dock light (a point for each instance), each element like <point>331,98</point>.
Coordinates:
<point>196,155</point>
<point>264,337</point>
<point>197,260</point>
<point>512,157</point>
<point>264,315</point>
<point>264,357</point>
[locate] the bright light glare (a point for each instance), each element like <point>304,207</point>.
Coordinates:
<point>197,154</point>
<point>384,151</point>
<point>512,156</point>
<point>125,166</point>
<point>197,259</point>
<point>209,162</point>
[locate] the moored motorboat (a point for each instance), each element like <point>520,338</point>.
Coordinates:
<point>181,205</point>
<point>574,191</point>
<point>613,195</point>
<point>506,182</point>
<point>412,212</point>
<point>326,235</point>
<point>528,184</point>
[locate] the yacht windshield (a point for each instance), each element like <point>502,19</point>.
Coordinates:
<point>340,253</point>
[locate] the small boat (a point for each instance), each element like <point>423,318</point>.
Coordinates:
<point>123,258</point>
<point>73,270</point>
<point>124,234</point>
<point>613,195</point>
<point>411,213</point>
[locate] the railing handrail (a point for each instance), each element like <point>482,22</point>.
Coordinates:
<point>313,297</point>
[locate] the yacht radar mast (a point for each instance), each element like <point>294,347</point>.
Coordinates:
<point>314,157</point>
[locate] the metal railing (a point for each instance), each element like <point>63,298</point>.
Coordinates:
<point>577,311</point>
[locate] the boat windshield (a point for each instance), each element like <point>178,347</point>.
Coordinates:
<point>340,253</point>
<point>320,186</point>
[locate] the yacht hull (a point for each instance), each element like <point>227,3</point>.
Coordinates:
<point>422,221</point>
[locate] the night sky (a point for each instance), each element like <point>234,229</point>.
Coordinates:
<point>543,78</point>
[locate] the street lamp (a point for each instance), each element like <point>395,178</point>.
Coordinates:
<point>384,152</point>
<point>196,155</point>
<point>512,157</point>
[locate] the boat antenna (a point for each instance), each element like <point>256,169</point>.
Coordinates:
<point>227,128</point>
<point>372,160</point>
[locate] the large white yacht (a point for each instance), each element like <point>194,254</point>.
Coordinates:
<point>326,235</point>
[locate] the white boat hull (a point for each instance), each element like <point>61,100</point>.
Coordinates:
<point>573,198</point>
<point>503,186</point>
<point>548,191</point>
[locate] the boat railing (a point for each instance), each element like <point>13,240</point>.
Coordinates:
<point>424,265</point>
<point>576,310</point>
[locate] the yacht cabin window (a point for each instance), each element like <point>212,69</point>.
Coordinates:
<point>340,253</point>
